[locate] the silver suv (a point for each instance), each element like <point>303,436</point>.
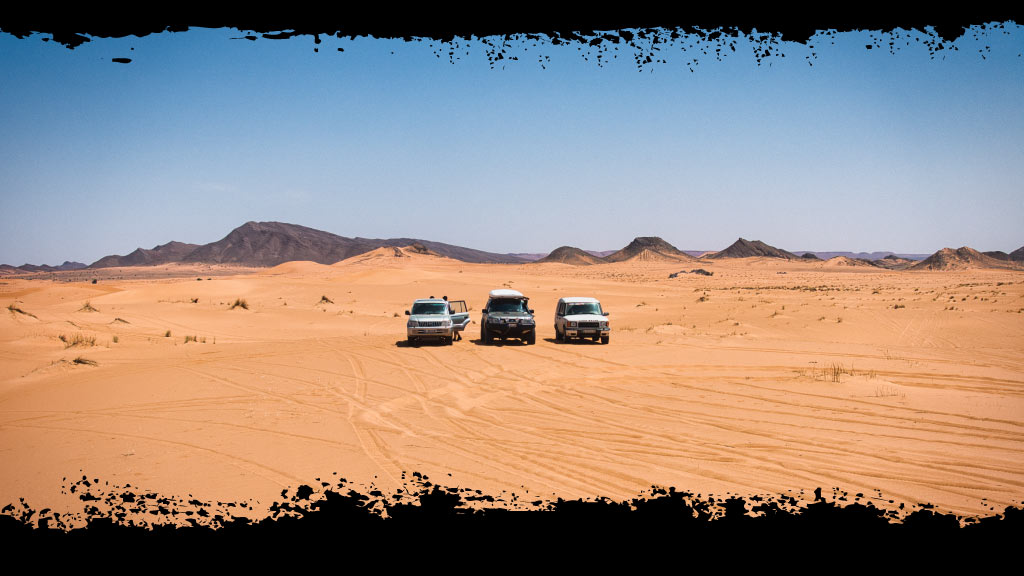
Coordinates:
<point>581,318</point>
<point>507,315</point>
<point>433,318</point>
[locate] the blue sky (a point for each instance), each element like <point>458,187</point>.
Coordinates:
<point>862,151</point>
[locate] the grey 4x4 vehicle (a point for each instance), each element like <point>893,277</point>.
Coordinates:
<point>507,315</point>
<point>581,318</point>
<point>432,318</point>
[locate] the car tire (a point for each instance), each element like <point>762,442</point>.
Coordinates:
<point>531,338</point>
<point>451,340</point>
<point>484,336</point>
<point>605,339</point>
<point>597,338</point>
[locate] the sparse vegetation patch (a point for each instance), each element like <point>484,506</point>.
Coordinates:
<point>86,361</point>
<point>77,339</point>
<point>240,303</point>
<point>325,300</point>
<point>87,307</point>
<point>15,309</point>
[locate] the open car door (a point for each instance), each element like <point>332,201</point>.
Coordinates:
<point>460,314</point>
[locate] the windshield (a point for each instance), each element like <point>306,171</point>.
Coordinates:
<point>430,308</point>
<point>582,308</point>
<point>507,305</point>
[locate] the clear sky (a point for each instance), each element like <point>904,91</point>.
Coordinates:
<point>863,150</point>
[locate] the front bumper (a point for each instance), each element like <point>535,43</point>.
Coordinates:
<point>510,330</point>
<point>442,332</point>
<point>587,332</point>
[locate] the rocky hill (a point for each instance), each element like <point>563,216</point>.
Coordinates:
<point>649,248</point>
<point>963,258</point>
<point>747,249</point>
<point>571,255</point>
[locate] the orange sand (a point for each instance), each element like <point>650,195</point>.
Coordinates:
<point>730,394</point>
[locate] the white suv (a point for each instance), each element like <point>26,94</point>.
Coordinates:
<point>581,318</point>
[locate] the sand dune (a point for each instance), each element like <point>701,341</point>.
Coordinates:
<point>749,381</point>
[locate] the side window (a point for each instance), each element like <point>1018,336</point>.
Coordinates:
<point>561,309</point>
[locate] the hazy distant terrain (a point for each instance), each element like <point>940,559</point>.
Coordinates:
<point>263,244</point>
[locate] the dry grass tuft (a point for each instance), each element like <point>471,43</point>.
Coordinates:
<point>325,300</point>
<point>240,303</point>
<point>78,339</point>
<point>87,307</point>
<point>15,309</point>
<point>85,361</point>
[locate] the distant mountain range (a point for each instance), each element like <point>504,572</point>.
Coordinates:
<point>273,243</point>
<point>264,244</point>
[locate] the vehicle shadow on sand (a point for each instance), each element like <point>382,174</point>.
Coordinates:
<point>574,341</point>
<point>499,342</point>
<point>418,344</point>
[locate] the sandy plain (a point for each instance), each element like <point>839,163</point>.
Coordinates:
<point>770,377</point>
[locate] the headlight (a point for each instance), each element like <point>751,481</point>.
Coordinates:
<point>571,324</point>
<point>412,324</point>
<point>604,325</point>
<point>446,323</point>
<point>526,321</point>
<point>493,320</point>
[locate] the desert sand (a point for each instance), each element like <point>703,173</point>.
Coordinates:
<point>770,377</point>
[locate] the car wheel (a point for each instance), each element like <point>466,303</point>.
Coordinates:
<point>560,336</point>
<point>531,338</point>
<point>484,336</point>
<point>597,338</point>
<point>604,339</point>
<point>451,340</point>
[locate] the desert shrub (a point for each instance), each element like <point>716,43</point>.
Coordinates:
<point>190,339</point>
<point>240,303</point>
<point>325,300</point>
<point>86,361</point>
<point>167,334</point>
<point>115,339</point>
<point>77,339</point>
<point>87,307</point>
